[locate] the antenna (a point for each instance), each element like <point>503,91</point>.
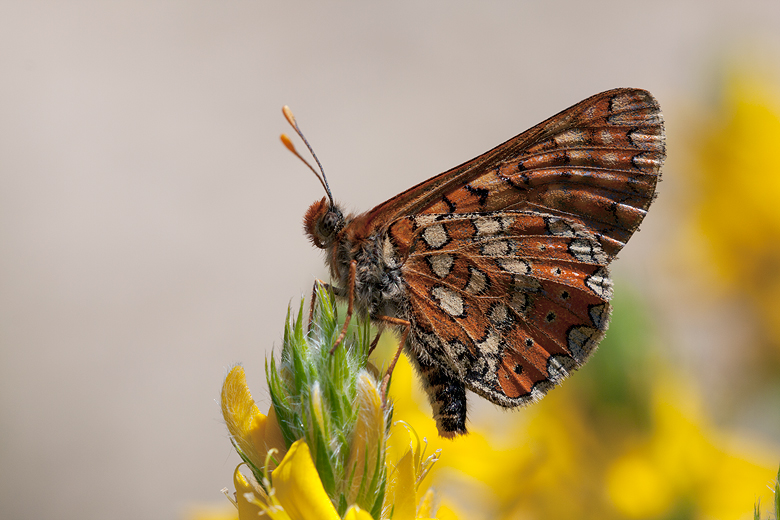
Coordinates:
<point>289,145</point>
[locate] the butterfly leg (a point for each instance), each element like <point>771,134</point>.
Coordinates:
<point>405,334</point>
<point>338,291</point>
<point>317,283</point>
<point>374,342</point>
<point>350,304</point>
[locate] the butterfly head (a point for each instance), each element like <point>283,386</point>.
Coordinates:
<point>322,223</point>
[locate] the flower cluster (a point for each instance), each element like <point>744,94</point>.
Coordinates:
<point>328,448</point>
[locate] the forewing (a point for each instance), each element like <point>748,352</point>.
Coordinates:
<point>509,301</point>
<point>596,163</point>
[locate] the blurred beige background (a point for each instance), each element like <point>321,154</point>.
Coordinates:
<point>150,220</point>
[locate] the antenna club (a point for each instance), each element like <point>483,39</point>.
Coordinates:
<point>288,115</point>
<point>288,143</point>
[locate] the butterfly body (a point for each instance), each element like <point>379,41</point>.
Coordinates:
<point>496,272</point>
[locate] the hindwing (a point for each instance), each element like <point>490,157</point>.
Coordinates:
<point>508,301</point>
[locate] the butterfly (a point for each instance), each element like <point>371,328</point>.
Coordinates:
<point>495,273</point>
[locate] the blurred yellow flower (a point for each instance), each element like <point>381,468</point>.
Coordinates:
<point>638,488</point>
<point>685,464</point>
<point>561,464</point>
<point>740,192</point>
<point>212,512</point>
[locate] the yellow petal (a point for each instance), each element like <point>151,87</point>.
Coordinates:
<point>253,432</point>
<point>241,414</point>
<point>266,435</point>
<point>367,439</point>
<point>355,513</point>
<point>402,439</point>
<point>298,486</point>
<point>401,491</point>
<point>248,499</point>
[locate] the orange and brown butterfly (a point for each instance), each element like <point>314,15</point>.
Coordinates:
<point>495,273</point>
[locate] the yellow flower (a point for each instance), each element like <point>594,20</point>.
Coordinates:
<point>253,433</point>
<point>359,468</point>
<point>294,490</point>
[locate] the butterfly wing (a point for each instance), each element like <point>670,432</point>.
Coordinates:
<point>508,301</point>
<point>504,258</point>
<point>596,164</point>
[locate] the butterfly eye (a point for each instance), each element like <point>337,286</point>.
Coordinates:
<point>331,222</point>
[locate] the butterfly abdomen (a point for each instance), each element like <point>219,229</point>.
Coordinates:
<point>447,395</point>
